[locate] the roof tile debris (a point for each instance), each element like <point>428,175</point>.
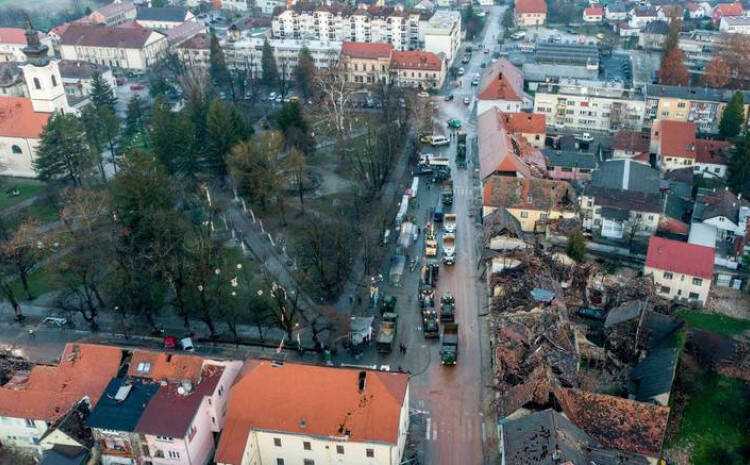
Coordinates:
<point>528,194</point>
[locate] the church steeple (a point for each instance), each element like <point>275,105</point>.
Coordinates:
<point>35,51</point>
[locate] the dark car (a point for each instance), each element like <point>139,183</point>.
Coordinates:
<point>449,98</point>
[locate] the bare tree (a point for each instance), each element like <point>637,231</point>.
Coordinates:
<point>336,93</point>
<point>22,250</point>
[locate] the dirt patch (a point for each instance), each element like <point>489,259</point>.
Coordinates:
<point>729,302</point>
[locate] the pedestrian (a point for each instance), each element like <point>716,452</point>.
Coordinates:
<point>351,300</point>
<point>359,300</point>
<point>419,230</point>
<point>31,333</point>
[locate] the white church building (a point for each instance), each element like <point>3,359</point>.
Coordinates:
<point>22,119</point>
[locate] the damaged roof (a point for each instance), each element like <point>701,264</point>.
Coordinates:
<point>653,376</point>
<point>615,422</point>
<point>528,193</point>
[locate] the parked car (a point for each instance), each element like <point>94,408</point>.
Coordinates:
<point>475,82</point>
<point>461,71</point>
<point>467,100</point>
<point>449,98</point>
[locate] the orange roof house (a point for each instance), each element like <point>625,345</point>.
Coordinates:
<point>343,404</point>
<point>47,392</point>
<point>416,60</point>
<point>524,123</point>
<point>531,7</point>
<point>161,366</point>
<point>673,139</point>
<point>368,51</point>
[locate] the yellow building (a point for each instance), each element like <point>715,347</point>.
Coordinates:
<point>366,63</point>
<point>531,201</point>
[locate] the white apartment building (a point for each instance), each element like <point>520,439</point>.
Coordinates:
<point>134,48</point>
<point>246,52</point>
<point>393,26</point>
<point>442,34</point>
<point>322,416</point>
<point>591,106</point>
<point>735,24</point>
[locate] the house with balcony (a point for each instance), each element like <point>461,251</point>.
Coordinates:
<point>366,64</point>
<point>680,270</point>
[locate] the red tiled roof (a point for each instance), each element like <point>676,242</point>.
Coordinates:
<point>496,152</point>
<point>170,413</point>
<point>311,400</point>
<point>527,193</point>
<point>197,42</point>
<point>416,59</point>
<point>366,50</point>
<point>49,392</point>
<point>594,10</point>
<point>18,118</point>
<point>633,141</point>
<point>728,9</point>
<point>531,6</point>
<point>711,151</point>
<point>503,82</point>
<point>12,35</point>
<point>95,35</point>
<point>673,226</point>
<point>529,123</point>
<point>165,366</point>
<point>680,257</point>
<point>676,138</point>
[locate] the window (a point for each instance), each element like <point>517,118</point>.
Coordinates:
<point>664,290</point>
<point>16,149</point>
<point>306,445</point>
<point>524,214</point>
<point>37,84</point>
<point>54,81</point>
<point>164,438</point>
<point>279,461</point>
<point>667,275</point>
<point>370,452</point>
<point>277,442</point>
<point>144,367</point>
<point>173,454</point>
<point>693,296</point>
<point>340,450</point>
<point>191,433</point>
<point>29,423</point>
<point>697,282</point>
<point>308,462</point>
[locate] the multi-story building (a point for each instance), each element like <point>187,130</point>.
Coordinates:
<point>415,68</point>
<point>366,24</point>
<point>700,105</point>
<point>735,24</point>
<point>680,270</point>
<point>590,106</point>
<point>501,87</point>
<point>77,78</point>
<point>529,126</point>
<point>114,14</point>
<point>322,416</point>
<point>673,142</point>
<point>699,47</point>
<point>195,52</point>
<point>246,51</point>
<point>165,410</point>
<point>163,18</point>
<point>530,13</point>
<point>442,34</point>
<point>31,401</point>
<point>366,64</point>
<point>130,47</point>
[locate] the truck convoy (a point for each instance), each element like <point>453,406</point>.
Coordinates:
<point>447,308</point>
<point>449,344</point>
<point>387,333</point>
<point>430,241</point>
<point>447,193</point>
<point>430,323</point>
<point>449,248</point>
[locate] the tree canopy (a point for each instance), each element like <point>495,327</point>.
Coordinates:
<point>733,117</point>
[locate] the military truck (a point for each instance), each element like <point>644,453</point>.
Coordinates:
<point>430,323</point>
<point>387,333</point>
<point>461,150</point>
<point>446,193</point>
<point>447,308</point>
<point>449,344</point>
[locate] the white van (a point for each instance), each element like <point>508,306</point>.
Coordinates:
<point>439,140</point>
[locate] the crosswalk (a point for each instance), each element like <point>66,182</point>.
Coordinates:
<point>453,431</point>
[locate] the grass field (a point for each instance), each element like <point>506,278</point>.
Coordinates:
<point>25,189</point>
<point>714,423</point>
<point>714,322</point>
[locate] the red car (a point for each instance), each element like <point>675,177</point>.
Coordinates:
<point>136,87</point>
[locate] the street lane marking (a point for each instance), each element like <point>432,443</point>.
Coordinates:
<point>434,434</point>
<point>429,425</point>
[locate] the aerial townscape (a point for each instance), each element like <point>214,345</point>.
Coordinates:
<point>375,232</point>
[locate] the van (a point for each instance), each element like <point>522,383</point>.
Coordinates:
<point>437,215</point>
<point>439,140</point>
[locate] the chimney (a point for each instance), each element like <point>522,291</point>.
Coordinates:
<point>500,76</point>
<point>362,380</point>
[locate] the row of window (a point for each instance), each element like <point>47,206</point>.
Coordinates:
<point>696,281</point>
<point>307,445</point>
<point>691,295</point>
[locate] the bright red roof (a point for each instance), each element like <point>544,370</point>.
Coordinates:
<point>416,59</point>
<point>676,138</point>
<point>728,9</point>
<point>18,118</point>
<point>680,257</point>
<point>529,123</point>
<point>366,50</point>
<point>531,6</point>
<point>12,35</point>
<point>594,10</point>
<point>312,400</point>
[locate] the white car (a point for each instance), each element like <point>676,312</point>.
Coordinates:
<point>437,141</point>
<point>467,100</point>
<point>272,96</point>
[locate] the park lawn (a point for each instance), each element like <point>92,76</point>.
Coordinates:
<point>714,422</point>
<point>26,188</point>
<point>714,322</point>
<point>41,282</point>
